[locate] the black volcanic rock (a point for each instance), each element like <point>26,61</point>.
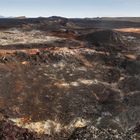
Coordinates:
<point>130,84</point>
<point>103,37</point>
<point>93,133</point>
<point>9,131</point>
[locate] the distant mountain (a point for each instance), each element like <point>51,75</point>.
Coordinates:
<point>2,16</point>
<point>21,17</point>
<point>5,17</point>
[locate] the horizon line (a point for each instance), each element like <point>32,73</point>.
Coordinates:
<point>2,16</point>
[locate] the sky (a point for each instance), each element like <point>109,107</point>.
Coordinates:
<point>70,8</point>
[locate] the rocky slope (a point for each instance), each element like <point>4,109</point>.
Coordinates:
<point>69,84</point>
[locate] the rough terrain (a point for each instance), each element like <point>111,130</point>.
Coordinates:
<point>67,81</point>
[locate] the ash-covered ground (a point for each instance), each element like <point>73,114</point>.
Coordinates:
<point>60,80</point>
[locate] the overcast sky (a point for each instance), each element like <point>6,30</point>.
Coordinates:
<point>70,8</point>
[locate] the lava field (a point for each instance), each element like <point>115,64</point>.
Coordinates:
<point>61,79</point>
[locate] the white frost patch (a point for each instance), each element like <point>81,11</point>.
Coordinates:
<point>75,84</point>
<point>65,51</point>
<point>65,85</point>
<point>82,69</point>
<point>86,82</point>
<point>49,126</point>
<point>44,127</point>
<point>77,123</point>
<point>62,84</point>
<point>61,65</point>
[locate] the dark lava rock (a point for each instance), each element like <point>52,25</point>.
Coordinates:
<point>105,94</point>
<point>130,84</point>
<point>10,132</point>
<point>107,122</point>
<point>93,133</point>
<point>131,67</point>
<point>103,37</point>
<point>111,75</point>
<point>129,117</point>
<point>132,99</point>
<point>137,128</point>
